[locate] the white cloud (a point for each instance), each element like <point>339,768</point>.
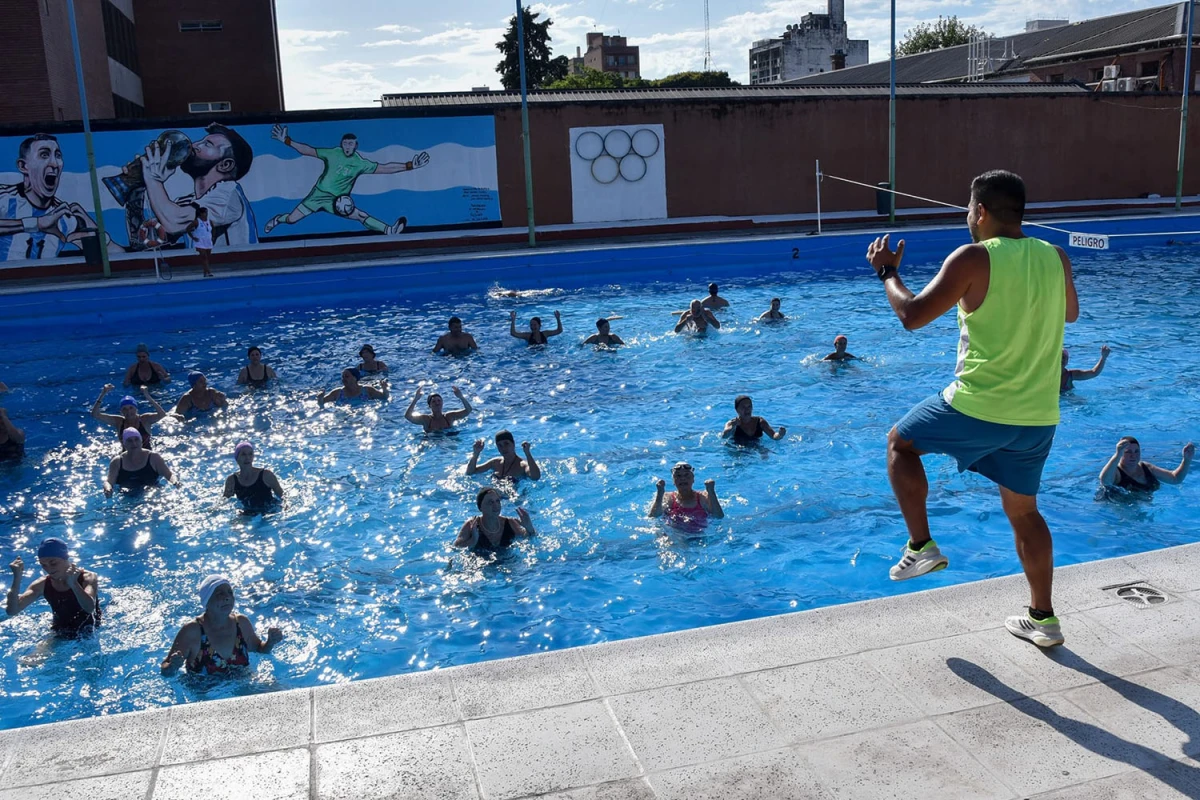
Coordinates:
<point>398,29</point>
<point>302,41</point>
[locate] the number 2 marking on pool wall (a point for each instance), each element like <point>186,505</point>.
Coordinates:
<point>795,252</point>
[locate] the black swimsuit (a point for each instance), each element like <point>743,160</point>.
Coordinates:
<point>508,533</point>
<point>257,383</point>
<point>504,471</point>
<point>1132,484</point>
<point>153,380</point>
<point>69,616</point>
<point>11,450</point>
<point>257,495</point>
<point>741,437</point>
<point>137,478</point>
<point>533,338</point>
<point>140,428</point>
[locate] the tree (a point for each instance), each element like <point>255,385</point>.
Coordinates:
<point>946,32</point>
<point>540,68</point>
<point>695,80</point>
<point>595,79</point>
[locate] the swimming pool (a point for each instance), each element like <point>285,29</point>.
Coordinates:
<point>359,570</point>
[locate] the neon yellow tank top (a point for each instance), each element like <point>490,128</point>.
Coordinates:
<point>1010,348</point>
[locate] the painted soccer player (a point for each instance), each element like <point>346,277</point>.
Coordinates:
<point>343,166</point>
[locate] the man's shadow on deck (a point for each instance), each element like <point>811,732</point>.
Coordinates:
<point>1181,777</point>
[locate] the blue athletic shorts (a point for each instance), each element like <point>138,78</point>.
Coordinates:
<point>1010,455</point>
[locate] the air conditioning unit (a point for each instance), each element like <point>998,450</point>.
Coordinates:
<point>1108,86</point>
<point>1126,84</point>
<point>1112,72</point>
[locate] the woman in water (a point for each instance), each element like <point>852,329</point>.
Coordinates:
<point>1125,470</point>
<point>489,530</point>
<point>369,365</point>
<point>218,639</point>
<point>535,335</point>
<point>135,468</point>
<point>72,592</point>
<point>435,420</point>
<point>685,508</point>
<point>255,374</point>
<point>199,397</point>
<point>509,465</point>
<point>351,389</point>
<point>747,428</point>
<point>145,372</point>
<point>772,314</point>
<point>129,418</point>
<point>12,439</point>
<point>256,487</point>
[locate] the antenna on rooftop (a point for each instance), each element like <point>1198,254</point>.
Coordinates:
<point>707,44</point>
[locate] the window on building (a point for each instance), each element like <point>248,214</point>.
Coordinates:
<point>1059,78</point>
<point>213,106</point>
<point>199,25</point>
<point>126,109</point>
<point>119,36</point>
<point>1148,69</point>
<point>1097,73</point>
<point>610,60</point>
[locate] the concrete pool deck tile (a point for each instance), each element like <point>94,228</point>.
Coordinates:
<point>636,789</point>
<point>983,604</point>
<point>1176,569</point>
<point>75,749</point>
<point>778,775</point>
<point>653,661</point>
<point>108,787</point>
<point>238,726</point>
<point>383,705</point>
<point>433,762</point>
<point>508,685</point>
<point>1171,631</point>
<point>1080,587</point>
<point>1167,781</point>
<point>1155,710</point>
<point>829,698</point>
<point>281,775</point>
<point>550,750</point>
<point>694,723</point>
<point>915,760</point>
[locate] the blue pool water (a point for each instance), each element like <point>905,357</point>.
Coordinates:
<point>359,570</point>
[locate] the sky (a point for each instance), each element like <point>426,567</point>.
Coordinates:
<point>338,56</point>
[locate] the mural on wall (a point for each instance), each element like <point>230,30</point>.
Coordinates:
<point>618,173</point>
<point>260,183</point>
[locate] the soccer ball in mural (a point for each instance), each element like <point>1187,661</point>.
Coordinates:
<point>344,205</point>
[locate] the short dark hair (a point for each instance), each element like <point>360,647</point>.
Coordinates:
<point>737,401</point>
<point>538,320</point>
<point>482,494</point>
<point>239,149</point>
<point>712,288</point>
<point>600,323</point>
<point>505,435</point>
<point>1002,193</point>
<point>776,300</point>
<point>454,320</point>
<point>346,136</point>
<point>27,144</point>
<point>253,348</point>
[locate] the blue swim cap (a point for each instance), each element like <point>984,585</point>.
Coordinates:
<point>193,377</point>
<point>53,548</point>
<point>128,400</point>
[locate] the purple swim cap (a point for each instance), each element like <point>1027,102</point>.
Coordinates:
<point>128,400</point>
<point>53,548</point>
<point>241,446</point>
<point>130,433</point>
<point>193,377</point>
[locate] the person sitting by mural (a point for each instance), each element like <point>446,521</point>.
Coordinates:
<point>490,531</point>
<point>369,364</point>
<point>218,640</point>
<point>72,592</point>
<point>145,372</point>
<point>201,231</point>
<point>129,418</point>
<point>12,439</point>
<point>456,342</point>
<point>1069,376</point>
<point>714,300</point>
<point>507,466</point>
<point>256,487</point>
<point>343,165</point>
<point>256,374</point>
<point>773,313</point>
<point>603,336</point>
<point>351,389</point>
<point>136,468</point>
<point>697,318</point>
<point>685,508</point>
<point>200,398</point>
<point>435,420</point>
<point>747,428</point>
<point>1126,470</point>
<point>839,350</point>
<point>535,335</point>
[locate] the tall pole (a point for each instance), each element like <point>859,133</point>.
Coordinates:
<point>1183,111</point>
<point>892,125</point>
<point>101,237</point>
<point>525,125</point>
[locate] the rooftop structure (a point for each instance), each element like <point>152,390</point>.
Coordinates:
<point>818,43</point>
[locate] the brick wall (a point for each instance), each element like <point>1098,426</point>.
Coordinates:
<point>60,61</point>
<point>26,95</point>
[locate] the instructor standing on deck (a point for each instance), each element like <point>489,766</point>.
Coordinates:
<point>998,417</point>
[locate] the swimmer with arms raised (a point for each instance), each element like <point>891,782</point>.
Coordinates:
<point>508,465</point>
<point>535,334</point>
<point>1126,470</point>
<point>72,592</point>
<point>129,416</point>
<point>698,318</point>
<point>685,507</point>
<point>1068,376</point>
<point>435,420</point>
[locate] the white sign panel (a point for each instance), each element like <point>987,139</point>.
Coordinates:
<point>618,173</point>
<point>1089,241</point>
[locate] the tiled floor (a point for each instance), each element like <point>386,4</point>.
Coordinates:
<point>919,696</point>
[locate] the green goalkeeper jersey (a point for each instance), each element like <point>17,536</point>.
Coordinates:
<point>341,171</point>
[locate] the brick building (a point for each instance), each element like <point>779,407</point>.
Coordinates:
<point>608,54</point>
<point>141,58</point>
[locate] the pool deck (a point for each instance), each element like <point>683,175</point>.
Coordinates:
<point>919,696</point>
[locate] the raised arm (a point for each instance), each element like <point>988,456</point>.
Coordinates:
<point>159,412</point>
<point>468,534</point>
<point>381,393</point>
<point>455,416</point>
<point>1108,475</point>
<point>85,593</point>
<point>684,318</point>
<point>1088,374</point>
<point>558,330</point>
<point>1176,475</point>
<point>524,526</point>
<point>97,414</point>
<point>966,264</point>
<point>274,635</point>
<point>17,601</point>
<point>472,463</point>
<point>512,328</point>
<point>711,501</point>
<point>411,415</point>
<point>712,319</point>
<point>769,431</point>
<point>531,468</point>
<point>656,507</point>
<point>219,399</point>
<point>419,160</point>
<point>728,429</point>
<point>280,134</point>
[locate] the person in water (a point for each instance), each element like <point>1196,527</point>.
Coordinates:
<point>135,468</point>
<point>72,592</point>
<point>129,418</point>
<point>714,300</point>
<point>747,428</point>
<point>489,530</point>
<point>603,335</point>
<point>256,374</point>
<point>435,420</point>
<point>772,314</point>
<point>12,439</point>
<point>697,318</point>
<point>256,487</point>
<point>839,350</point>
<point>456,342</point>
<point>200,397</point>
<point>145,372</point>
<point>1069,376</point>
<point>507,465</point>
<point>684,507</point>
<point>218,640</point>
<point>1126,470</point>
<point>369,364</point>
<point>535,334</point>
<point>1014,294</point>
<point>351,389</point>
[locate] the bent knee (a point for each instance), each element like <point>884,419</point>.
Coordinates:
<point>898,444</point>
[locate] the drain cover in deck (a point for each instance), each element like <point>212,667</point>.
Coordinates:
<point>1140,594</point>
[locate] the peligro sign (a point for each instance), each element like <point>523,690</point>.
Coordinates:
<point>1089,241</point>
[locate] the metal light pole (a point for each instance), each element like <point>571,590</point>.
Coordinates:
<point>525,125</point>
<point>1183,111</point>
<point>101,237</point>
<point>892,126</point>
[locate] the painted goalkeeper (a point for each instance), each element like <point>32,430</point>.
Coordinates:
<point>343,166</point>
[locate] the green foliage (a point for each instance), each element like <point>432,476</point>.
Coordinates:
<point>946,32</point>
<point>595,79</point>
<point>695,80</point>
<point>540,68</point>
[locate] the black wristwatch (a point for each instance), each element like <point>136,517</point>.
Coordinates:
<point>887,272</point>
